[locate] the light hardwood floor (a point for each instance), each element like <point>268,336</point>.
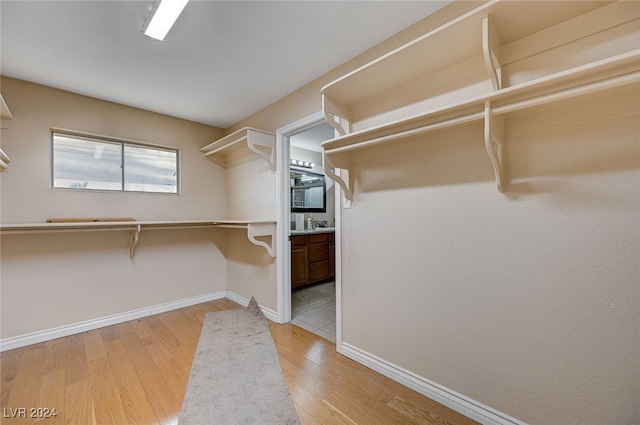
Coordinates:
<point>135,373</point>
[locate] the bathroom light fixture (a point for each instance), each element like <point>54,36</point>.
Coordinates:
<point>300,163</point>
<point>163,18</point>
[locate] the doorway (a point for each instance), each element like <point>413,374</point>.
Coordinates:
<point>301,141</point>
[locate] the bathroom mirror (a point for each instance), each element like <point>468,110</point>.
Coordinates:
<point>308,191</point>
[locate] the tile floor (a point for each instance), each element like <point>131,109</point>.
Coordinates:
<point>314,309</point>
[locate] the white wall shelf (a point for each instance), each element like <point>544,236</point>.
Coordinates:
<point>6,119</point>
<point>496,62</point>
<point>240,145</point>
<point>255,229</point>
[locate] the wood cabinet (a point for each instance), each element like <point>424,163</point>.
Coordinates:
<point>312,258</point>
<point>332,255</point>
<point>299,261</point>
<point>318,257</point>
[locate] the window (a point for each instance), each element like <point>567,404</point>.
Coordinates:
<point>94,163</point>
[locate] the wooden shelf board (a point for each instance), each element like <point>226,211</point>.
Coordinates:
<point>240,145</point>
<point>123,224</point>
<point>462,38</point>
<point>255,228</point>
<point>620,65</point>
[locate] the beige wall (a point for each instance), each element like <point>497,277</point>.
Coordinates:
<point>61,279</point>
<point>525,301</point>
<point>26,191</point>
<point>300,104</point>
<point>251,272</point>
<point>306,100</point>
<point>251,186</point>
<point>51,280</point>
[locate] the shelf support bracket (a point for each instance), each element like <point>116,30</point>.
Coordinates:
<point>265,141</point>
<point>492,52</point>
<point>494,140</point>
<point>4,161</point>
<point>255,230</point>
<point>336,113</point>
<point>329,170</point>
<point>5,115</point>
<point>135,235</point>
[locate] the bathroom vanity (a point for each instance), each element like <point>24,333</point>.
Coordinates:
<point>312,256</point>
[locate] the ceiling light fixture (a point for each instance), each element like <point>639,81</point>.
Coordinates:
<point>164,17</point>
<point>301,163</point>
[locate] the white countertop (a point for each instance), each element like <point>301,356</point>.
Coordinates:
<point>316,230</point>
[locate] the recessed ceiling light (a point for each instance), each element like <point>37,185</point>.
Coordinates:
<point>164,17</point>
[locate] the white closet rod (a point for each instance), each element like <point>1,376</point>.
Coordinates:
<point>589,88</point>
<point>478,116</point>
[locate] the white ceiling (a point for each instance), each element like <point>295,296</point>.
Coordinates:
<point>222,61</point>
<point>312,138</point>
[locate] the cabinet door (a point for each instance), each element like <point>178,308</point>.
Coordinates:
<point>318,271</point>
<point>318,252</point>
<point>299,265</point>
<point>319,238</point>
<point>332,261</point>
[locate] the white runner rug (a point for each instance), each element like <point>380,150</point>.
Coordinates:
<point>236,377</point>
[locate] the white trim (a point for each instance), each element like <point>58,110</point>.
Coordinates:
<point>283,217</point>
<point>338,259</point>
<point>456,401</point>
<point>283,211</point>
<point>88,325</point>
<point>269,314</point>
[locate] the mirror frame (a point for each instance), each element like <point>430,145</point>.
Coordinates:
<point>324,194</point>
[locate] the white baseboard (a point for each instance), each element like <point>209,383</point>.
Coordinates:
<point>269,314</point>
<point>75,328</point>
<point>456,401</point>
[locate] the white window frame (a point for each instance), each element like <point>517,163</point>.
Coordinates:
<point>123,143</point>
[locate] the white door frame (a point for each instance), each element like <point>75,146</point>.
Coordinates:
<point>283,211</point>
